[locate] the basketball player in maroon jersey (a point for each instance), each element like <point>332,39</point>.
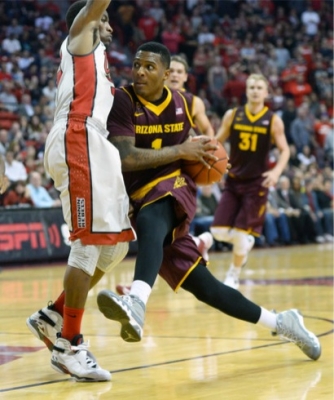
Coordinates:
<point>251,130</point>
<point>86,169</point>
<point>148,124</point>
<point>176,80</point>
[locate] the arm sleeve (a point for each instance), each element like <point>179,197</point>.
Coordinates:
<point>120,119</point>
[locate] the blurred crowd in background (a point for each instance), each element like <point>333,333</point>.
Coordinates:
<point>289,41</point>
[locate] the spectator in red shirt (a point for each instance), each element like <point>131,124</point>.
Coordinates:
<point>322,128</point>
<point>234,89</point>
<point>4,76</point>
<point>148,26</point>
<point>171,38</point>
<point>300,89</point>
<point>18,196</point>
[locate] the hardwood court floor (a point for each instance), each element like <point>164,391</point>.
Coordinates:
<point>189,350</point>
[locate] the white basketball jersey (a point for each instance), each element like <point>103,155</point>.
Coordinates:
<point>84,86</point>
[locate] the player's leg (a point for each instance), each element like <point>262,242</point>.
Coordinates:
<point>243,243</point>
<point>248,217</point>
<point>223,227</point>
<point>47,322</point>
<point>288,324</point>
<point>204,242</point>
<point>154,226</point>
<point>70,354</point>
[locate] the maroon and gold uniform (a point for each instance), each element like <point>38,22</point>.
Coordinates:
<point>244,198</point>
<point>155,126</point>
<point>190,99</point>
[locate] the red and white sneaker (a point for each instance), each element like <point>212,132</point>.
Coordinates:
<point>204,242</point>
<point>123,289</point>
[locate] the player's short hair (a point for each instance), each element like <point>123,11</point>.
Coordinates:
<point>181,60</point>
<point>258,77</point>
<point>73,11</point>
<point>157,48</point>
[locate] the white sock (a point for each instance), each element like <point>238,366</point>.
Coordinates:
<point>267,319</point>
<point>236,269</point>
<point>141,289</point>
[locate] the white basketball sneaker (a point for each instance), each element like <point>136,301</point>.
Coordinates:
<point>290,326</point>
<point>128,310</point>
<point>75,359</point>
<point>45,324</point>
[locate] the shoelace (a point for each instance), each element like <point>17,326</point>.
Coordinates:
<point>288,335</point>
<point>90,360</point>
<point>128,299</point>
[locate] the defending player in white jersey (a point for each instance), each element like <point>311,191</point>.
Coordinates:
<point>86,169</point>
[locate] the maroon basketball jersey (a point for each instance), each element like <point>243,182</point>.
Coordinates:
<point>190,102</point>
<point>153,126</point>
<point>250,141</point>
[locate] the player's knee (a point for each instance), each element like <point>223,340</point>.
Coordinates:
<point>240,244</point>
<point>220,233</point>
<point>84,257</point>
<point>112,255</point>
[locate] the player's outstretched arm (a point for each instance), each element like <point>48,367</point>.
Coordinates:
<point>84,31</point>
<point>137,159</point>
<point>223,132</point>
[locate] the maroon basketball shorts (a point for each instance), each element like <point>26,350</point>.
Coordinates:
<point>182,255</point>
<point>242,205</point>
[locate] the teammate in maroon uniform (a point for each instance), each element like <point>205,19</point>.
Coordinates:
<point>148,124</point>
<point>251,131</point>
<point>176,81</point>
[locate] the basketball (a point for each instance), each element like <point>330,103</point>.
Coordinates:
<point>200,174</point>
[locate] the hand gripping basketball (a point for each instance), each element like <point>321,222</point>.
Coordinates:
<point>205,176</point>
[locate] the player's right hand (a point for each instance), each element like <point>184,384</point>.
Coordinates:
<point>198,149</point>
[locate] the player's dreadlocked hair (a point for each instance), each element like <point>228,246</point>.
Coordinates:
<point>73,11</point>
<point>157,48</point>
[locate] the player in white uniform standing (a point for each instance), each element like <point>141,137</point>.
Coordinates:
<point>86,169</point>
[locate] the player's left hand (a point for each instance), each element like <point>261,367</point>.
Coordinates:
<point>270,178</point>
<point>4,183</point>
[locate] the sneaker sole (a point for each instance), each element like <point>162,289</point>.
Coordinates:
<point>131,331</point>
<point>34,329</point>
<point>57,367</point>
